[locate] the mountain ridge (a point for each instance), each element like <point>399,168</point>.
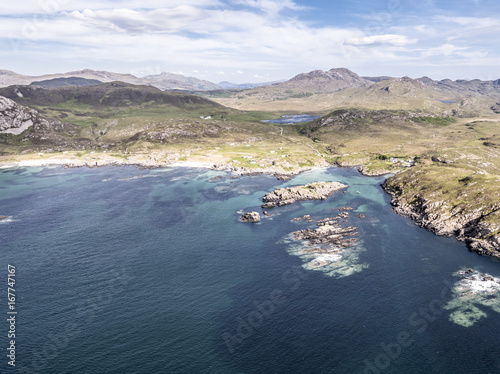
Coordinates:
<point>163,81</point>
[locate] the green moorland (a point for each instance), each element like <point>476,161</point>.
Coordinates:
<point>143,124</point>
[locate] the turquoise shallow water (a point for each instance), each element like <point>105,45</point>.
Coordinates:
<point>122,270</point>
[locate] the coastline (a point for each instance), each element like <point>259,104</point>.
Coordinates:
<point>143,163</point>
<point>469,231</point>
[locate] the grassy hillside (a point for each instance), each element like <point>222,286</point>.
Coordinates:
<point>125,120</point>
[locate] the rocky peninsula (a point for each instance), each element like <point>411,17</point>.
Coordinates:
<point>311,191</point>
<point>473,221</point>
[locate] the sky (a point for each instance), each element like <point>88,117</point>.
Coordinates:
<point>245,41</point>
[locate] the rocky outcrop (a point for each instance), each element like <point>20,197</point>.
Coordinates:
<point>330,248</point>
<point>250,217</point>
<point>278,172</point>
<point>468,225</point>
<point>331,233</point>
<point>311,191</point>
<point>20,125</point>
<point>15,119</point>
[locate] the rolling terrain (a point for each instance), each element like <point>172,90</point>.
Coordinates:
<point>143,124</point>
<point>440,139</point>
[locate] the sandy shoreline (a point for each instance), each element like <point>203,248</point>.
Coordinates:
<point>152,164</point>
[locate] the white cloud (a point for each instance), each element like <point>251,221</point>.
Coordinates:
<point>271,6</point>
<point>30,7</point>
<point>254,36</point>
<point>475,22</point>
<point>395,40</point>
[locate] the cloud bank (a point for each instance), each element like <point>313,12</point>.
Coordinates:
<point>240,38</point>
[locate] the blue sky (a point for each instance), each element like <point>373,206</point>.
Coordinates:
<point>253,40</point>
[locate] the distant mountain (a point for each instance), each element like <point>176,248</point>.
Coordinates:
<point>285,95</point>
<point>378,79</point>
<point>163,81</point>
<point>8,78</point>
<point>241,86</point>
<point>321,91</point>
<point>62,82</point>
<point>319,81</point>
<point>170,81</point>
<point>461,86</point>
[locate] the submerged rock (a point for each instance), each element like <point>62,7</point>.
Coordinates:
<point>472,293</point>
<point>250,217</point>
<point>311,191</point>
<point>329,248</point>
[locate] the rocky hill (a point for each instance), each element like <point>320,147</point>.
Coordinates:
<point>319,81</point>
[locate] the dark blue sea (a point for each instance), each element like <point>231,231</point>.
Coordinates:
<point>123,270</point>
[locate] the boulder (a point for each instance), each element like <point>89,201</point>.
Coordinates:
<point>250,217</point>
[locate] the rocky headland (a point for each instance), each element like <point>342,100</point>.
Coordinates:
<point>311,191</point>
<point>473,223</point>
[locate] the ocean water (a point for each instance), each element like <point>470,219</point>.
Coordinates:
<point>122,270</point>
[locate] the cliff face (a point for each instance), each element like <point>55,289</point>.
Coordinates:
<point>473,219</point>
